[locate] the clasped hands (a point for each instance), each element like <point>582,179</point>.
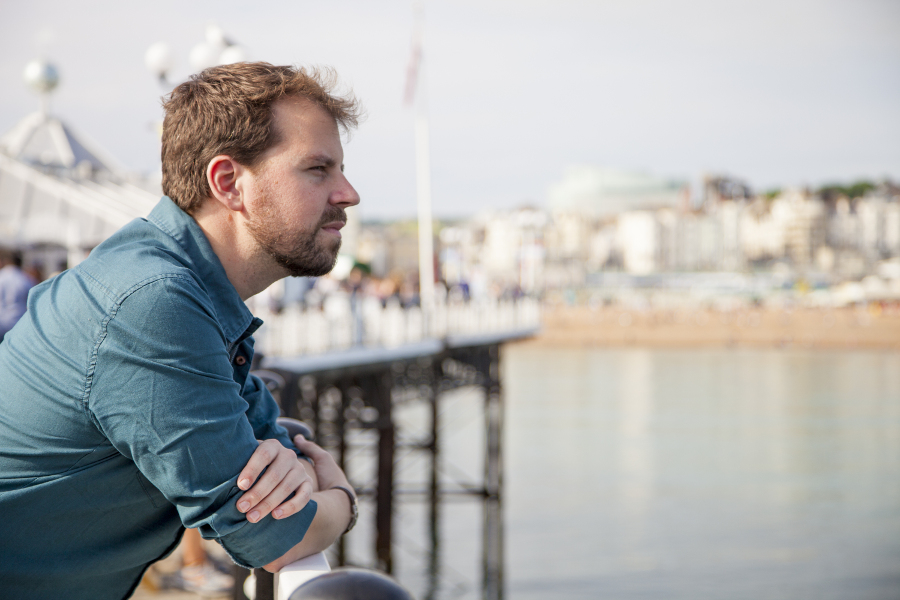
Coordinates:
<point>284,475</point>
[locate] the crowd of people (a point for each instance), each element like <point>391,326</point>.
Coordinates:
<point>400,287</point>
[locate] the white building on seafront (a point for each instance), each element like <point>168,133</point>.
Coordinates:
<point>598,221</point>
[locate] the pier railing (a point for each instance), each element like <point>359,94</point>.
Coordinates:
<point>343,322</point>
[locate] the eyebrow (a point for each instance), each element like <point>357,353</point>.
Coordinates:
<point>325,159</point>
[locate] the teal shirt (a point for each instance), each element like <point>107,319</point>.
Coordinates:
<point>127,411</point>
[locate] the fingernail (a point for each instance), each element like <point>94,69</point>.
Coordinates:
<point>278,513</point>
<point>253,517</point>
<point>244,483</point>
<point>243,506</point>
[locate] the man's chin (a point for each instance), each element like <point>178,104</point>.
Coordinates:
<point>322,265</point>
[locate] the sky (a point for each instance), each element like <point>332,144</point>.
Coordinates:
<point>778,93</point>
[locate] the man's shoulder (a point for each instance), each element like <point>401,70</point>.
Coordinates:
<point>138,255</point>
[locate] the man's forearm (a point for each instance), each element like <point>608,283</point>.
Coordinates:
<point>331,520</point>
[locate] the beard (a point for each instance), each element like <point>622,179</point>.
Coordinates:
<point>300,253</point>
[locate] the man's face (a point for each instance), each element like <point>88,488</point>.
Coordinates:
<point>297,195</point>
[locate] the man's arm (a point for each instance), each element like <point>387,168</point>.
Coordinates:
<point>334,510</point>
<point>163,393</point>
<point>271,492</point>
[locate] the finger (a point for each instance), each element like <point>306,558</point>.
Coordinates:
<point>291,483</point>
<point>327,472</point>
<point>311,449</point>
<point>279,492</point>
<point>262,457</point>
<point>295,504</point>
<point>283,466</point>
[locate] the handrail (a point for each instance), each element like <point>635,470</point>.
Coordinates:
<point>290,577</point>
<point>299,572</point>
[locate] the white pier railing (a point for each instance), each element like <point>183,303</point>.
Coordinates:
<point>288,579</point>
<point>342,323</point>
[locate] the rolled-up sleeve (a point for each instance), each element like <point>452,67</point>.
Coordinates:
<point>162,391</point>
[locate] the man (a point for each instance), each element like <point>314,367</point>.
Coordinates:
<point>127,410</point>
<point>14,286</point>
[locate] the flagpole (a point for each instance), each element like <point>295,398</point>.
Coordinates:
<point>415,76</point>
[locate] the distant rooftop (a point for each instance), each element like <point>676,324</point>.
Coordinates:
<point>43,140</point>
<point>605,191</point>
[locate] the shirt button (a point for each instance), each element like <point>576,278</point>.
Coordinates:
<point>240,361</point>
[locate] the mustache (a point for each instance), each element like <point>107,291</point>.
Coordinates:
<point>332,214</point>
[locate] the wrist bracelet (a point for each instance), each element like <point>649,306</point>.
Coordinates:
<point>354,509</point>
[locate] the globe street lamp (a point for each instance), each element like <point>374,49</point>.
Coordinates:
<point>42,77</point>
<point>216,49</point>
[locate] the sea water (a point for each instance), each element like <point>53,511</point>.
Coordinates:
<point>639,473</point>
<point>667,474</point>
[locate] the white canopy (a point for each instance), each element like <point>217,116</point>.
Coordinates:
<point>55,189</point>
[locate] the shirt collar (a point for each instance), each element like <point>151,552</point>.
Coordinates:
<point>235,318</point>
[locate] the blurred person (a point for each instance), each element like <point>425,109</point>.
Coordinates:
<point>14,287</point>
<point>295,289</point>
<point>409,291</point>
<point>129,410</point>
<point>199,573</point>
<point>353,284</point>
<point>389,289</point>
<point>35,271</point>
<point>355,279</point>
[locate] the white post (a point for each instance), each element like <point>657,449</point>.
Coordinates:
<point>426,235</point>
<point>423,179</point>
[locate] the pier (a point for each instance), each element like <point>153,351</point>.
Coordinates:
<point>351,398</point>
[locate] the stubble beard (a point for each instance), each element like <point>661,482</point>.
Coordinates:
<point>300,253</point>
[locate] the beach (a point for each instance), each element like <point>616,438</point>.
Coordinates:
<point>870,327</point>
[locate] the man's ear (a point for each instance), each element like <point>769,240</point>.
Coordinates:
<point>222,174</point>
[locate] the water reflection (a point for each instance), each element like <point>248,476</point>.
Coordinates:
<point>634,402</point>
<point>702,474</point>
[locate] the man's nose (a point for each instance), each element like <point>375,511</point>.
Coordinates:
<point>345,194</point>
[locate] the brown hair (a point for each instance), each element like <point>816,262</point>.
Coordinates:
<point>228,110</point>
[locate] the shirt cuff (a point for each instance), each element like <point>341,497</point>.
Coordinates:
<point>253,545</point>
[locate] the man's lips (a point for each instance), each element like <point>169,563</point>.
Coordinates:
<point>334,226</point>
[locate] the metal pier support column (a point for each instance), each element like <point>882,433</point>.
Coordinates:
<point>384,494</point>
<point>492,550</point>
<point>265,584</point>
<point>341,544</point>
<point>434,491</point>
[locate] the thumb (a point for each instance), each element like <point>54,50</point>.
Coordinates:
<point>309,448</point>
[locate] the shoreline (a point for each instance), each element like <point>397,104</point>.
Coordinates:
<point>824,328</point>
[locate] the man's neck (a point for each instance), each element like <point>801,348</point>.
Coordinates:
<point>248,270</point>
